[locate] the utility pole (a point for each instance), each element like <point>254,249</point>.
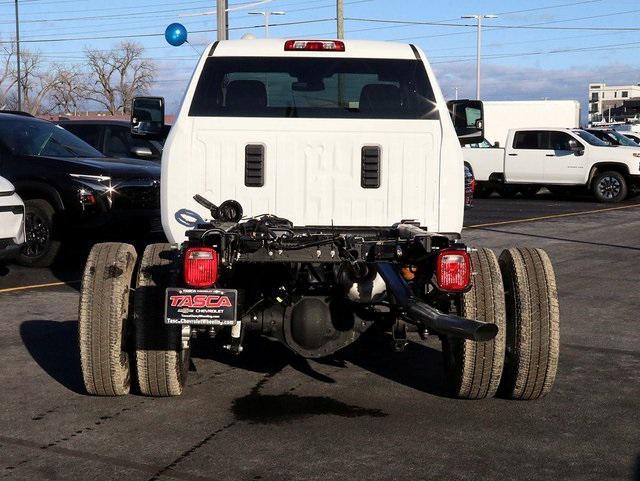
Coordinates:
<point>18,56</point>
<point>456,89</point>
<point>267,17</point>
<point>340,18</point>
<point>223,19</point>
<point>478,18</point>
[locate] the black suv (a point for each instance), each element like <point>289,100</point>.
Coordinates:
<point>113,138</point>
<point>68,185</point>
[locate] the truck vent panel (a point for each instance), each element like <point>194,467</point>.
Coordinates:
<point>370,173</point>
<point>254,165</point>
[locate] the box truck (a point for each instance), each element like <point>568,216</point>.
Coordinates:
<point>501,116</point>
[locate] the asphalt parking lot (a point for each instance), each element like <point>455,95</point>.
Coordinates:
<point>366,413</point>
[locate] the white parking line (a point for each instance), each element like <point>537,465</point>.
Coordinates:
<point>37,286</point>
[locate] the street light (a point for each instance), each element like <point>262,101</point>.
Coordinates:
<point>267,14</point>
<point>479,18</point>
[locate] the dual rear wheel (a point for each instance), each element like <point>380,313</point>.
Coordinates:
<point>113,349</point>
<point>517,292</point>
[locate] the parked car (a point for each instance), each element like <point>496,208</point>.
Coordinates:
<point>634,137</point>
<point>113,138</point>
<point>612,137</point>
<point>469,185</point>
<point>12,234</point>
<point>68,185</point>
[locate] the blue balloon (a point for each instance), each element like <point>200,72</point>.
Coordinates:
<point>176,34</point>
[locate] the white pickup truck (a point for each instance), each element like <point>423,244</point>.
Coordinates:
<point>555,157</point>
<point>312,189</point>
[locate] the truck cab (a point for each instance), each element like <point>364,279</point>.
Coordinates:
<point>358,133</point>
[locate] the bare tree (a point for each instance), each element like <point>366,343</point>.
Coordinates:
<point>68,91</point>
<point>36,82</point>
<point>7,72</point>
<point>117,75</point>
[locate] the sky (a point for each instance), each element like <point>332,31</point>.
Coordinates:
<point>565,45</point>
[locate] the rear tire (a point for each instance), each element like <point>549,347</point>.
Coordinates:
<point>533,323</point>
<point>162,363</point>
<point>610,187</point>
<point>40,249</point>
<point>473,369</point>
<point>104,327</point>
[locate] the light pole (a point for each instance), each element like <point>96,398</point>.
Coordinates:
<point>222,19</point>
<point>267,15</point>
<point>18,57</point>
<point>340,18</point>
<point>478,18</point>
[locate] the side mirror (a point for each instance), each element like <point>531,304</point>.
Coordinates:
<point>144,152</point>
<point>496,145</point>
<point>468,120</point>
<point>576,147</point>
<point>147,117</point>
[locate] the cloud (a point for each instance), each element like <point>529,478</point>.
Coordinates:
<point>510,82</point>
<point>172,80</point>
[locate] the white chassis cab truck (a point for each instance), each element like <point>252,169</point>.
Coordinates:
<point>312,189</point>
<point>558,159</point>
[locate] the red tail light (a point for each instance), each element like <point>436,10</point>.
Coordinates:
<point>453,270</point>
<point>200,267</point>
<point>316,45</point>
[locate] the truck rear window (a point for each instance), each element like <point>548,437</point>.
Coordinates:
<point>313,88</point>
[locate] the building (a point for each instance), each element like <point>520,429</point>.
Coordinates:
<point>603,97</point>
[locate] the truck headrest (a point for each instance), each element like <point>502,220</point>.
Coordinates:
<point>246,94</point>
<point>378,99</point>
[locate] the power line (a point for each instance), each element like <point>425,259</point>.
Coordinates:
<point>206,21</point>
<point>549,52</point>
<point>511,12</point>
<point>103,17</point>
<point>548,7</point>
<point>161,34</point>
<point>497,27</point>
<point>137,7</point>
<point>51,31</point>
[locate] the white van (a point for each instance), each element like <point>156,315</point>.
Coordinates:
<point>311,189</point>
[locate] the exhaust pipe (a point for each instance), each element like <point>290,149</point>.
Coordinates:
<point>422,314</point>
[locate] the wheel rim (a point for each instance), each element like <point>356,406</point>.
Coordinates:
<point>38,233</point>
<point>609,187</point>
